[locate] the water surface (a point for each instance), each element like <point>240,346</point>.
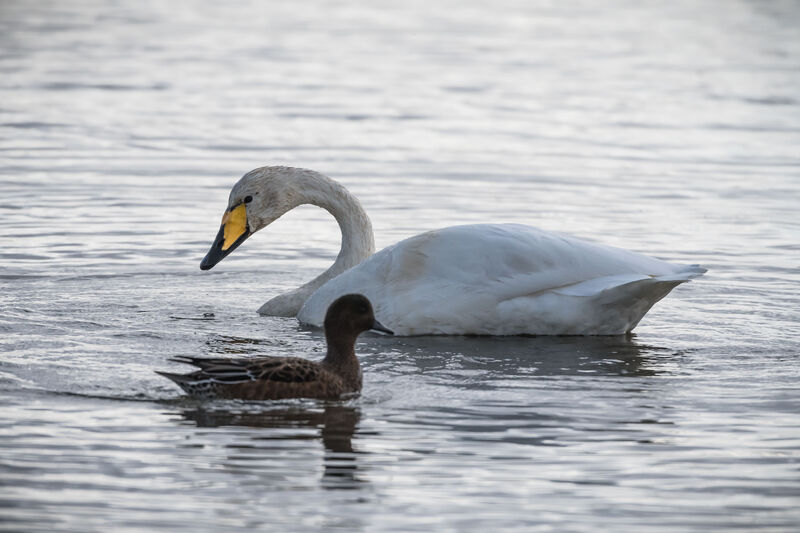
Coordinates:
<point>666,128</point>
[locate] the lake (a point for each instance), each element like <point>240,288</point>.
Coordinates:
<point>669,128</point>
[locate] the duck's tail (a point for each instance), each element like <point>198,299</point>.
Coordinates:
<point>193,384</point>
<point>180,379</point>
<point>213,373</point>
<point>183,380</point>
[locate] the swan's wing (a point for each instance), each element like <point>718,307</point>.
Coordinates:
<point>462,275</point>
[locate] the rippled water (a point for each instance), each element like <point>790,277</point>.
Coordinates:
<point>670,128</point>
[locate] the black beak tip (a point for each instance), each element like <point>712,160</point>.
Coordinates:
<point>216,253</point>
<point>377,326</point>
<point>213,257</point>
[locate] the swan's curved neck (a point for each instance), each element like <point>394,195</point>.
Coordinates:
<point>357,239</point>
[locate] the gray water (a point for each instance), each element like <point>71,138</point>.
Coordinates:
<point>670,128</point>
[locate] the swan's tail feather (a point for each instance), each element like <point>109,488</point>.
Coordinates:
<point>593,287</point>
<point>693,271</point>
<point>687,274</point>
<point>621,301</point>
<point>596,286</point>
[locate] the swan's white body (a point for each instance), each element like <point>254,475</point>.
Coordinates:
<point>483,279</point>
<point>503,279</point>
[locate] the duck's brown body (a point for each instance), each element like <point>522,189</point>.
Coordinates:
<point>269,378</point>
<point>276,378</point>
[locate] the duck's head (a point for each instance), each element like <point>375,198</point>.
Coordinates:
<point>350,315</point>
<point>259,198</point>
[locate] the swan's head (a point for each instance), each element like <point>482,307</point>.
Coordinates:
<point>259,198</point>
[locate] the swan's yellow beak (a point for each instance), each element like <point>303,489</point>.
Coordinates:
<point>233,232</point>
<point>234,225</point>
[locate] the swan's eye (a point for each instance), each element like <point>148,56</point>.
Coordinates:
<point>248,199</point>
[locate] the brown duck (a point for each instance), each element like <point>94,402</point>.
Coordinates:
<point>275,378</point>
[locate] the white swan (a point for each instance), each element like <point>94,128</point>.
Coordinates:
<point>483,279</point>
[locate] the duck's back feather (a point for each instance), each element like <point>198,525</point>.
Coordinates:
<point>259,379</point>
<point>504,279</point>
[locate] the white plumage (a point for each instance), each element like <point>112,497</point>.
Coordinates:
<point>504,279</point>
<point>483,279</point>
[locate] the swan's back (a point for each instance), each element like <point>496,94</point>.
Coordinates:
<point>502,279</point>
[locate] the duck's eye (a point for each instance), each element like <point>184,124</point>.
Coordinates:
<point>248,199</point>
<point>363,309</point>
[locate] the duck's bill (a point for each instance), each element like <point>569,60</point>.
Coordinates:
<point>233,232</point>
<point>377,326</point>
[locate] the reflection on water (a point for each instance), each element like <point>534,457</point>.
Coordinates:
<point>230,346</point>
<point>333,424</point>
<point>544,356</point>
